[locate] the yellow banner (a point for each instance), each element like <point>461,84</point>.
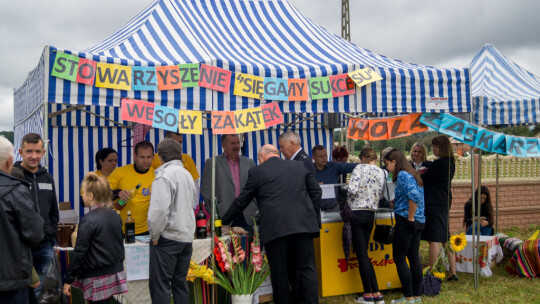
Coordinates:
<point>113,76</point>
<point>249,120</point>
<point>190,122</point>
<point>364,76</point>
<point>249,86</point>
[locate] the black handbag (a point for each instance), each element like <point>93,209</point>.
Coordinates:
<point>383,202</point>
<point>384,234</point>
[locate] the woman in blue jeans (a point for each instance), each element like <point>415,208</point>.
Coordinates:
<point>409,213</point>
<point>365,190</point>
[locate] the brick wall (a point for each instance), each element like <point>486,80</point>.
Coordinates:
<point>519,203</point>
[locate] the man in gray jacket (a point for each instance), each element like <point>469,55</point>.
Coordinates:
<point>171,223</point>
<point>21,227</point>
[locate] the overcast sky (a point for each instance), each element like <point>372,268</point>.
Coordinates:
<point>435,33</point>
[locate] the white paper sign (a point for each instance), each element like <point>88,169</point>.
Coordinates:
<point>137,262</point>
<point>437,103</point>
<point>328,191</point>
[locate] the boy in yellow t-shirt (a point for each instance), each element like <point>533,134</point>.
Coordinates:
<point>127,177</point>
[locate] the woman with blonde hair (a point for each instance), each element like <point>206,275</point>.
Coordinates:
<point>419,157</point>
<point>97,262</point>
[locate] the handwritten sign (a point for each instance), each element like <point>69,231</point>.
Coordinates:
<point>189,74</point>
<point>341,85</point>
<point>168,77</point>
<point>298,90</point>
<point>276,89</point>
<point>481,138</point>
<point>137,111</point>
<point>190,122</point>
<point>364,76</point>
<point>381,129</point>
<point>214,78</point>
<point>249,86</point>
<point>144,78</point>
<point>319,88</point>
<point>137,262</point>
<point>113,76</point>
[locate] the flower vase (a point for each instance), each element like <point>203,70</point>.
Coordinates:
<point>242,299</point>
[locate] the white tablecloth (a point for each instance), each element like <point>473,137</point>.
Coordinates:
<point>489,251</point>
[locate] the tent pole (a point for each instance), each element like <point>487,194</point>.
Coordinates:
<point>497,193</point>
<point>478,210</point>
<point>475,260</point>
<point>213,199</point>
<point>45,134</point>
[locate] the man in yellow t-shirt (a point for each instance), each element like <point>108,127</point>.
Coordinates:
<point>187,161</point>
<point>127,177</point>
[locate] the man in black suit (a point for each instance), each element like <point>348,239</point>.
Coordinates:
<point>287,196</point>
<point>289,145</point>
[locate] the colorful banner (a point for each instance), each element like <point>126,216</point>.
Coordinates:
<point>113,76</point>
<point>249,86</point>
<point>214,78</point>
<point>149,78</point>
<point>319,88</point>
<point>298,89</point>
<point>364,76</point>
<point>259,118</point>
<point>481,138</point>
<point>386,128</point>
<point>168,77</point>
<point>189,74</point>
<point>190,122</point>
<point>144,78</point>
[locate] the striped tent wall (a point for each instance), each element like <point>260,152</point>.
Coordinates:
<point>73,148</point>
<point>77,135</point>
<point>503,92</point>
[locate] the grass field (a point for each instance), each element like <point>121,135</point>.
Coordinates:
<point>497,289</point>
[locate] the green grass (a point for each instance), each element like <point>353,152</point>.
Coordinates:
<point>499,288</point>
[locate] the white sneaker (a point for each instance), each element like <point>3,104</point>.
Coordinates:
<point>361,300</point>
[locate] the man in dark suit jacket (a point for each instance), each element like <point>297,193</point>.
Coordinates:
<point>287,195</point>
<point>228,183</point>
<point>289,145</point>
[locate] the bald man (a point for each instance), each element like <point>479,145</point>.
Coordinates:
<point>288,197</point>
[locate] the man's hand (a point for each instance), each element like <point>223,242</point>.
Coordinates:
<point>35,285</point>
<point>67,289</point>
<point>124,195</point>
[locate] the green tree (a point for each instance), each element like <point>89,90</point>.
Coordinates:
<point>8,135</point>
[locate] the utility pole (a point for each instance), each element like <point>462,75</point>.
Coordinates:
<point>346,34</point>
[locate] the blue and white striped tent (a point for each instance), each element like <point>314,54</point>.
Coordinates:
<point>267,38</point>
<point>503,92</point>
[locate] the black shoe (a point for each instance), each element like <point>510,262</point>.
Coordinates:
<point>452,278</point>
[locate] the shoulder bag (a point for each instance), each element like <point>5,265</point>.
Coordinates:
<point>384,234</point>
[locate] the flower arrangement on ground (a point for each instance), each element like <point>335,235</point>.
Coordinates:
<point>233,272</point>
<point>456,244</point>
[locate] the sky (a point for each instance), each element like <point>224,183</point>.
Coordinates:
<point>445,34</point>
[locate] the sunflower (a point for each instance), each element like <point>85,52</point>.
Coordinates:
<point>438,275</point>
<point>458,242</point>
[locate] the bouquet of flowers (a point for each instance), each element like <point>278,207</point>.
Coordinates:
<point>456,244</point>
<point>200,271</point>
<point>236,274</point>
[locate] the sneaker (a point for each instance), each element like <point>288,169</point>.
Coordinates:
<point>363,300</point>
<point>379,300</point>
<point>403,300</point>
<point>417,300</point>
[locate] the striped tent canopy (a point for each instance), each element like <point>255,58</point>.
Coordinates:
<point>503,92</point>
<point>266,38</point>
